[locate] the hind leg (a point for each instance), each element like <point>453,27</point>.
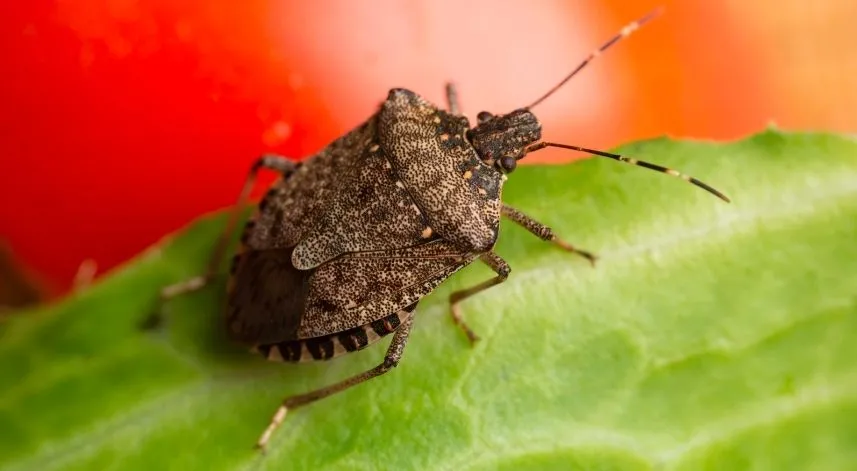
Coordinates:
<point>276,163</point>
<point>391,359</point>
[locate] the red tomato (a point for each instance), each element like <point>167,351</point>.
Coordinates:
<point>125,120</point>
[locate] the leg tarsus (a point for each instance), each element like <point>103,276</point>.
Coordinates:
<point>391,359</point>
<point>183,287</point>
<point>544,232</point>
<point>189,285</point>
<point>455,312</point>
<point>570,248</point>
<point>502,268</point>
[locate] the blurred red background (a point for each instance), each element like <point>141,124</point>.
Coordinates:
<point>124,120</point>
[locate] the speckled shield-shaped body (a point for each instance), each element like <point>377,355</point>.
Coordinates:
<point>341,250</point>
<point>344,246</point>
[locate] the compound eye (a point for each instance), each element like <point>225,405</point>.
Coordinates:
<point>484,116</point>
<point>508,163</point>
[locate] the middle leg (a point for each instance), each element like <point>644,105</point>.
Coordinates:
<point>501,267</point>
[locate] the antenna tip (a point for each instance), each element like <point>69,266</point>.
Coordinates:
<point>717,193</point>
<point>652,15</point>
<point>708,188</point>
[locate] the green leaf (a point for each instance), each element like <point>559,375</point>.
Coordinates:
<point>709,336</point>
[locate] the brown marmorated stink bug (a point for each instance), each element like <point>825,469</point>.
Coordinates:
<point>345,244</point>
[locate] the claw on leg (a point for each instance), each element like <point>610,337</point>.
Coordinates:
<point>570,248</point>
<point>183,287</point>
<point>456,317</point>
<point>276,421</point>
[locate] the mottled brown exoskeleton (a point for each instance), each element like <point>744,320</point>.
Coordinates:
<point>345,244</point>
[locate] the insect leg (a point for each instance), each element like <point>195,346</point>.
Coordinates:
<point>391,359</point>
<point>501,268</point>
<point>273,162</point>
<point>452,99</point>
<point>543,232</point>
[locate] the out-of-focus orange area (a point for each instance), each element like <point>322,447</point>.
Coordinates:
<point>123,120</point>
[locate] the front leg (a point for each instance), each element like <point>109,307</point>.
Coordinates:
<point>501,267</point>
<point>543,232</point>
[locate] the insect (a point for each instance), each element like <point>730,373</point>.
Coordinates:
<point>345,244</point>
